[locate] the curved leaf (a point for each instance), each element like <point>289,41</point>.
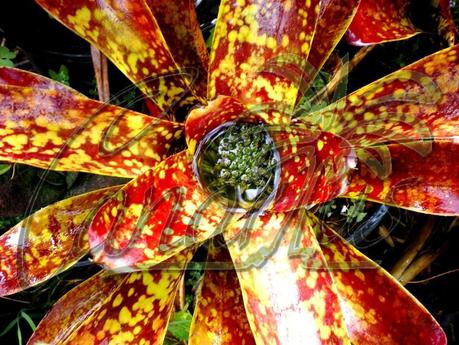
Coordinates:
<point>335,17</point>
<point>179,24</point>
<point>427,182</point>
<point>127,309</point>
<point>377,309</point>
<point>71,310</point>
<point>21,78</point>
<point>314,167</point>
<point>418,102</point>
<point>154,217</point>
<point>296,287</point>
<point>379,21</point>
<point>446,25</point>
<point>251,38</point>
<point>52,127</point>
<point>47,242</point>
<point>288,297</point>
<point>128,34</point>
<point>221,110</point>
<point>219,316</point>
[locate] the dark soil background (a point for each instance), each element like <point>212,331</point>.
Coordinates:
<point>43,44</point>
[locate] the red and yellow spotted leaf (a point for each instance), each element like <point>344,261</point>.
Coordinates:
<point>221,110</point>
<point>180,27</point>
<point>116,309</point>
<point>71,310</point>
<point>288,292</point>
<point>335,17</point>
<point>219,316</point>
<point>314,167</point>
<point>18,77</point>
<point>128,34</point>
<point>251,38</point>
<point>417,102</point>
<point>203,120</point>
<point>446,25</point>
<point>52,127</point>
<point>154,217</point>
<point>297,288</point>
<point>47,242</point>
<point>427,182</point>
<point>377,309</point>
<point>379,21</point>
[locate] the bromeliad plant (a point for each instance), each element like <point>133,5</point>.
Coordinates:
<point>250,172</point>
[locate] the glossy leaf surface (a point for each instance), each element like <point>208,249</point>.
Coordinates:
<point>221,110</point>
<point>369,297</point>
<point>314,167</point>
<point>335,17</point>
<point>47,242</point>
<point>219,317</point>
<point>133,309</point>
<point>446,25</point>
<point>75,307</point>
<point>128,34</point>
<point>180,27</point>
<point>50,126</point>
<point>379,21</point>
<point>289,295</point>
<point>418,102</point>
<point>423,182</point>
<point>280,262</point>
<point>154,217</point>
<point>254,37</point>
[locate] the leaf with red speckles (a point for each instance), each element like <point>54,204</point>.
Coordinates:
<point>252,35</point>
<point>408,108</point>
<point>296,287</point>
<point>18,77</point>
<point>224,109</point>
<point>313,164</point>
<point>423,182</point>
<point>154,217</point>
<point>335,17</point>
<point>73,308</point>
<point>219,316</point>
<point>418,102</point>
<point>288,297</point>
<point>446,26</point>
<point>128,34</point>
<point>120,309</point>
<point>179,24</point>
<point>47,242</point>
<point>379,21</point>
<point>51,126</point>
<point>314,167</point>
<point>377,309</point>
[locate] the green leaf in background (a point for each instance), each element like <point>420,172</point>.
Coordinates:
<point>210,39</point>
<point>62,76</point>
<point>4,168</point>
<point>6,57</point>
<point>179,326</point>
<point>29,320</point>
<point>70,179</point>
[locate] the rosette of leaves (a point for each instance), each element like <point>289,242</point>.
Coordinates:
<point>276,274</point>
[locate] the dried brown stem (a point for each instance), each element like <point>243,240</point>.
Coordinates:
<point>180,296</point>
<point>417,266</point>
<point>384,233</point>
<point>413,249</point>
<point>99,62</point>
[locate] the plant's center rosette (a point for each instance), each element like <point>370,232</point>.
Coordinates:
<point>239,165</point>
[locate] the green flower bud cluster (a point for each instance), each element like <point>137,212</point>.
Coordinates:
<point>240,162</point>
